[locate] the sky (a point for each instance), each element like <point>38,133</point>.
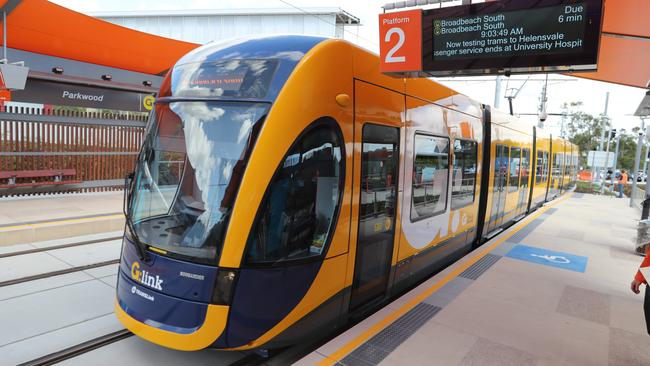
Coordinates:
<point>623,100</point>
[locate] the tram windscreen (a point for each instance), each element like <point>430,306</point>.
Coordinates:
<point>188,173</point>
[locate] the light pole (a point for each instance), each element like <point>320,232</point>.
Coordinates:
<point>618,144</point>
<point>637,159</point>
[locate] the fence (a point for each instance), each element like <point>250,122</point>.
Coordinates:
<point>100,147</point>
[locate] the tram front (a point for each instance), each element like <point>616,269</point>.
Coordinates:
<point>179,201</point>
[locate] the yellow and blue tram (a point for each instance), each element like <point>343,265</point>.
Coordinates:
<point>286,186</point>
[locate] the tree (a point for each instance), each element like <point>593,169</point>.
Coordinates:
<point>584,130</point>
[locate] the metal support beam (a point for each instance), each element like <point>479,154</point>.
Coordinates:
<point>637,160</point>
<point>497,92</point>
<point>595,169</point>
<point>602,181</point>
<point>618,144</point>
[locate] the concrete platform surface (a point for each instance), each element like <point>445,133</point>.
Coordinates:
<point>552,290</point>
<point>49,314</point>
<point>40,218</point>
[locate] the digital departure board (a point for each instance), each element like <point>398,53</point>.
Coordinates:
<point>512,36</point>
<point>495,37</point>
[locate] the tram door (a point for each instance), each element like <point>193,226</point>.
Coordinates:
<point>378,204</point>
<point>499,187</point>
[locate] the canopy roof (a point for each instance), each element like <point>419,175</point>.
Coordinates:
<point>46,28</point>
<point>625,44</point>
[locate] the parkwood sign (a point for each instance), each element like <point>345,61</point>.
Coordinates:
<point>80,96</point>
<point>63,94</point>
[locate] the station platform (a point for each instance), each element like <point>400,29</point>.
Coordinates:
<point>552,290</point>
<point>40,218</point>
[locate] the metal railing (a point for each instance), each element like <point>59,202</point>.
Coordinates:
<point>100,147</point>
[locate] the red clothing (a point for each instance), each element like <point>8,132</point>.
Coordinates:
<point>645,263</point>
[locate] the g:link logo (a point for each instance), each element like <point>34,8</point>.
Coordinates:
<point>145,278</point>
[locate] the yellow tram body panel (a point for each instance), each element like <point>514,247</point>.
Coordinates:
<point>213,326</point>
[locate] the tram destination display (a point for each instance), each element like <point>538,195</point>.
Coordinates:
<point>512,37</point>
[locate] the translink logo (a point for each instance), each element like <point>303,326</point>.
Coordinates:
<point>145,278</point>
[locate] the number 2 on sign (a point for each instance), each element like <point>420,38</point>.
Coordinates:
<point>401,37</point>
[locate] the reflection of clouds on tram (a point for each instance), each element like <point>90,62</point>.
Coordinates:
<point>289,55</point>
<point>246,121</point>
<point>199,146</point>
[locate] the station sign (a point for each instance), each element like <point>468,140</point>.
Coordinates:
<point>64,94</point>
<point>502,37</point>
<point>401,46</point>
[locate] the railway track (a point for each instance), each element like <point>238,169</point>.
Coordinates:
<point>251,359</point>
<point>79,349</point>
<point>55,247</point>
<point>58,273</point>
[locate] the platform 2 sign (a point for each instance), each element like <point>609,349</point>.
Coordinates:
<point>401,36</point>
<point>504,37</point>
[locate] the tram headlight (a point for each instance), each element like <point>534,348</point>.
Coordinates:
<point>223,287</point>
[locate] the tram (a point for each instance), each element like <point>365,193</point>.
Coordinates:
<point>286,186</point>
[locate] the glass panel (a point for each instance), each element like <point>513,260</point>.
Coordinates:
<point>514,169</point>
<point>430,176</point>
<point>539,168</point>
<point>525,167</point>
<point>297,214</point>
<point>556,168</point>
<point>464,173</point>
<point>379,163</point>
<point>189,171</point>
<point>546,166</point>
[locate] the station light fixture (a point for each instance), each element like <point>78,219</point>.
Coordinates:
<point>107,77</point>
<point>147,83</point>
<point>57,70</point>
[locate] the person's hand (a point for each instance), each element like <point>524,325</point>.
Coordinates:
<point>634,286</point>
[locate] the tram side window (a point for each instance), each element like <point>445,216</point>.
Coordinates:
<point>545,164</point>
<point>525,167</point>
<point>464,173</point>
<point>539,168</point>
<point>297,215</point>
<point>514,169</point>
<point>430,176</point>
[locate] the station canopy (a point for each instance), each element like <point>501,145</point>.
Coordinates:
<point>625,44</point>
<point>42,27</point>
<point>45,28</point>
